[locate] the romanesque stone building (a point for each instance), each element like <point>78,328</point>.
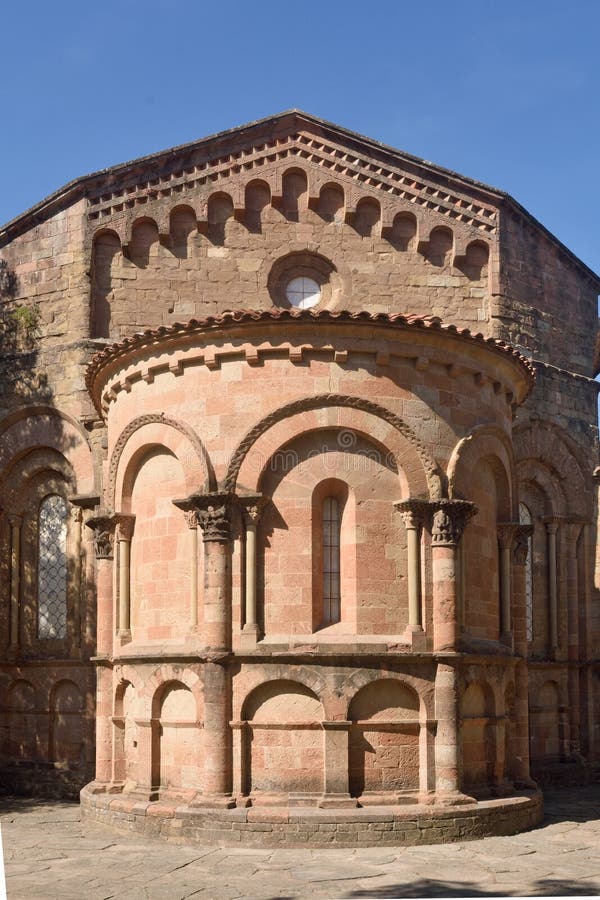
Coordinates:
<point>298,511</point>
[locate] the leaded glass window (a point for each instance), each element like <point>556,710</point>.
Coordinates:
<point>52,567</point>
<point>331,561</point>
<point>525,518</point>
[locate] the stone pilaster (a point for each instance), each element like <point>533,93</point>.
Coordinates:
<point>519,764</point>
<point>551,532</point>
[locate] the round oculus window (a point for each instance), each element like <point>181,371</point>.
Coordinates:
<point>303,292</point>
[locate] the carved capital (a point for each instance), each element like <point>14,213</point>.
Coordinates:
<point>14,520</point>
<point>506,532</point>
<point>449,520</point>
<point>415,513</point>
<point>125,525</point>
<point>104,535</point>
<point>521,547</point>
<point>212,512</point>
<point>252,508</point>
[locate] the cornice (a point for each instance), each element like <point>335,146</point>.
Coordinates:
<point>158,338</point>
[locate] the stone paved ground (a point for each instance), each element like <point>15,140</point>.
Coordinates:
<point>49,854</point>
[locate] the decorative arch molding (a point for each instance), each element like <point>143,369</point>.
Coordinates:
<point>485,440</point>
<point>301,675</point>
<point>43,426</point>
<point>549,444</point>
<point>162,420</point>
<point>548,481</point>
<point>433,477</point>
<point>39,465</point>
<point>361,679</point>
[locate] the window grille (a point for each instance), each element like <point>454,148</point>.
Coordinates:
<point>331,561</point>
<point>52,568</point>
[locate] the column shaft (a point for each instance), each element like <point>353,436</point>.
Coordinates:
<point>15,579</point>
<point>250,617</point>
<point>552,528</point>
<point>414,575</point>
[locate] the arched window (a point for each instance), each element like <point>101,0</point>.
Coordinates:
<point>331,560</point>
<point>525,518</point>
<point>52,568</point>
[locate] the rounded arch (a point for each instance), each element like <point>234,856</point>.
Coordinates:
<point>28,474</point>
<point>362,679</point>
<point>305,676</point>
<point>150,695</point>
<point>264,702</point>
<point>162,701</point>
<point>478,700</point>
<point>547,444</point>
<point>483,442</point>
<point>159,429</point>
<point>387,699</point>
<point>39,427</point>
<point>367,217</point>
<point>418,464</point>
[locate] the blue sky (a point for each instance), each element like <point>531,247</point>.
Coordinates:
<point>503,92</point>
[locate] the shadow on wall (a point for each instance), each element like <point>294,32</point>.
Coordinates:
<point>425,887</point>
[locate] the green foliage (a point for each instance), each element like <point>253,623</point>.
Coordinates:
<point>26,320</point>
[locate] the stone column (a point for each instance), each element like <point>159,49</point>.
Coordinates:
<point>125,526</point>
<point>414,514</point>
<point>573,530</point>
<point>214,516</point>
<point>551,530</point>
<point>75,579</point>
<point>16,523</point>
<point>506,535</point>
<point>252,509</point>
<point>449,520</point>
<point>103,527</point>
<point>336,794</point>
<point>193,522</point>
<point>520,761</point>
<point>448,523</point>
<point>447,755</point>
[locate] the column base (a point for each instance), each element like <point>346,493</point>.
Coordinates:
<point>453,798</point>
<point>337,801</point>
<point>250,636</point>
<point>213,801</point>
<point>415,637</point>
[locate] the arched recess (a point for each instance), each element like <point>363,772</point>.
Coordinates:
<point>294,193</point>
<point>384,741</point>
<point>37,427</point>
<point>106,254</point>
<point>125,735</point>
<point>183,224</point>
<point>544,723</point>
<point>219,212</point>
<point>144,245</point>
<point>283,740</point>
<point>159,429</point>
<point>484,440</point>
<point>478,738</point>
<point>331,203</point>
<point>21,704</point>
<point>176,739</point>
<point>257,200</point>
<point>482,469</point>
<point>66,724</point>
<point>550,446</point>
<point>376,422</point>
<point>362,476</point>
<point>160,546</point>
<point>367,217</point>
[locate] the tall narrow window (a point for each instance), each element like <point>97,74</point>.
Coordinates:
<point>331,561</point>
<point>52,568</point>
<point>525,518</point>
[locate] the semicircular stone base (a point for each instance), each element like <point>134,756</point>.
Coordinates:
<point>309,827</point>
